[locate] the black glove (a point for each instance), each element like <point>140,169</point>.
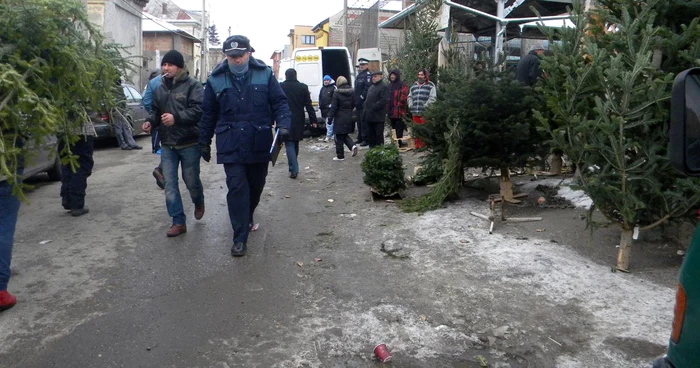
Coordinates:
<point>205,151</point>
<point>285,134</point>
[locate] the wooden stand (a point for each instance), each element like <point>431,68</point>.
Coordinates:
<point>411,143</point>
<point>556,162</point>
<point>492,206</point>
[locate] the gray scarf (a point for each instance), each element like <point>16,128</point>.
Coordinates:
<point>238,70</point>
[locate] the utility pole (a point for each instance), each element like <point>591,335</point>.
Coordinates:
<point>205,53</point>
<point>345,23</point>
<point>500,30</point>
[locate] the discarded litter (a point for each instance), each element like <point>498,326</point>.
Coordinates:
<point>464,241</point>
<point>287,196</point>
<point>390,201</point>
<point>680,253</point>
<point>382,353</point>
<point>307,168</point>
<point>300,264</point>
<point>317,260</point>
<point>331,201</point>
<point>45,242</point>
<point>541,230</point>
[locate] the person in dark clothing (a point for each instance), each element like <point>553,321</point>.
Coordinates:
<point>325,97</point>
<point>528,70</point>
<point>375,109</point>
<point>122,129</point>
<point>362,82</point>
<point>396,107</point>
<point>299,98</point>
<point>74,183</point>
<point>341,114</point>
<point>175,112</point>
<point>241,100</point>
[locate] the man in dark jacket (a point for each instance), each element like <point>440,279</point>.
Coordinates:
<point>343,124</point>
<point>175,112</point>
<point>375,109</point>
<point>241,100</point>
<point>528,70</point>
<point>299,98</point>
<point>325,97</point>
<point>362,83</point>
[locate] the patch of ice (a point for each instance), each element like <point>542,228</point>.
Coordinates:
<point>577,197</point>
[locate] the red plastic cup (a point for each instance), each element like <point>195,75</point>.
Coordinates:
<point>382,353</point>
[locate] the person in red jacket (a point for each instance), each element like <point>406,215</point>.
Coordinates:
<point>396,106</point>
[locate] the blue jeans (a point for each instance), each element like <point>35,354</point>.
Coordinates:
<point>9,208</point>
<point>329,129</point>
<point>245,184</point>
<point>292,148</point>
<point>188,158</point>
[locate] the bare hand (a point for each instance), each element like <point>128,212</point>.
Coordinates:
<point>314,125</point>
<point>146,127</point>
<point>168,119</point>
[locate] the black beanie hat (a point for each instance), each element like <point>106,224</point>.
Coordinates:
<point>173,57</point>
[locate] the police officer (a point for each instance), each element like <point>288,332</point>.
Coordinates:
<point>241,100</point>
<point>362,83</point>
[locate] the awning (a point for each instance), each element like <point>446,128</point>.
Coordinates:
<point>484,24</point>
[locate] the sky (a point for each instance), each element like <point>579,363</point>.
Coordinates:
<point>266,22</point>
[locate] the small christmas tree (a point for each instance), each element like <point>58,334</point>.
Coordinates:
<point>383,169</point>
<point>607,96</point>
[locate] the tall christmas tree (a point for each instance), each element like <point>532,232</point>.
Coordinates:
<point>607,90</point>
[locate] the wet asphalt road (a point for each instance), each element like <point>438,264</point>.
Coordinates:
<point>109,289</point>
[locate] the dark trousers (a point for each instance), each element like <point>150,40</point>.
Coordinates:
<point>375,133</point>
<point>340,140</point>
<point>399,126</point>
<point>74,184</point>
<point>245,184</point>
<point>361,126</point>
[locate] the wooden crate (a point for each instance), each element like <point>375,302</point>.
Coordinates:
<point>406,138</point>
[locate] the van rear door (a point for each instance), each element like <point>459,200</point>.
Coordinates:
<point>307,63</point>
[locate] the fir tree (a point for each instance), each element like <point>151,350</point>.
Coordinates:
<point>54,64</point>
<point>420,45</point>
<point>213,36</point>
<point>607,93</point>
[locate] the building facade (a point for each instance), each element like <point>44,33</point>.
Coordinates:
<point>302,37</point>
<point>160,37</point>
<point>120,22</point>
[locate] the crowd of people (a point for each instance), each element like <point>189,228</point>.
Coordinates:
<point>240,103</point>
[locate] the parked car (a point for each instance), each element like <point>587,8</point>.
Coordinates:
<point>136,114</point>
<point>683,351</point>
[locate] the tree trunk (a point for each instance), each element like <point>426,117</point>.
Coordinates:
<point>506,185</point>
<point>555,164</point>
<point>623,255</point>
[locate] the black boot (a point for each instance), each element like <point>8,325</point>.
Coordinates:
<point>238,249</point>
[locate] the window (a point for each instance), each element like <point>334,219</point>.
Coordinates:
<point>127,94</point>
<point>308,40</point>
<point>136,94</point>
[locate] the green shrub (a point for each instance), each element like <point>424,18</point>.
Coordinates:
<point>383,169</point>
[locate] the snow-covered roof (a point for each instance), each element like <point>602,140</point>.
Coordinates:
<point>150,23</point>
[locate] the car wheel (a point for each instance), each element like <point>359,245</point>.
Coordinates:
<point>55,171</point>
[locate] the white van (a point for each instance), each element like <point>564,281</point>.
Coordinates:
<point>313,63</point>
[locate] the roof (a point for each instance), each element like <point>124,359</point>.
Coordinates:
<point>485,24</point>
<point>319,26</point>
<point>149,23</point>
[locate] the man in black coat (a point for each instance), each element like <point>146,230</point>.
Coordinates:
<point>362,83</point>
<point>299,98</point>
<point>375,109</point>
<point>528,70</point>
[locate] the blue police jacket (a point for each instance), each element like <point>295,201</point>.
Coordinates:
<point>241,113</point>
